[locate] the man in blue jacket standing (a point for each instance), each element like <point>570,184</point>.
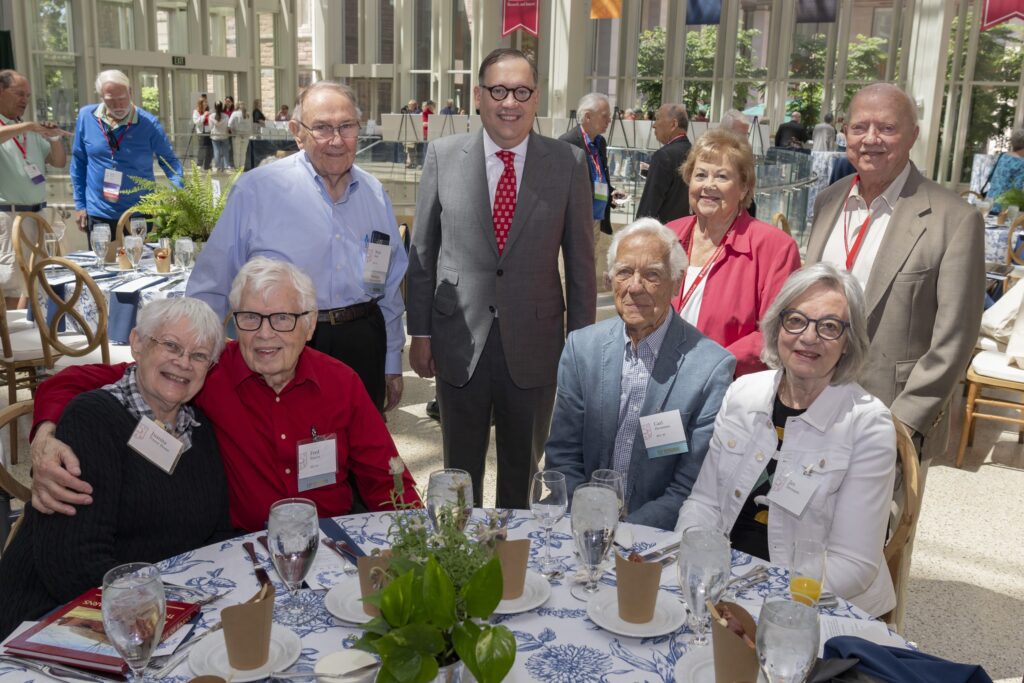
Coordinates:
<point>114,142</point>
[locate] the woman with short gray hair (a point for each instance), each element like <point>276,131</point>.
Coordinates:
<point>801,451</point>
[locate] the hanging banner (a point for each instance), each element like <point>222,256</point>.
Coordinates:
<point>703,12</point>
<point>520,14</point>
<point>815,11</point>
<point>997,12</point>
<point>605,9</point>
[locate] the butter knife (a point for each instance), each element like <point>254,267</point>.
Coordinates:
<point>261,573</point>
<point>172,283</point>
<point>55,671</point>
<point>172,662</point>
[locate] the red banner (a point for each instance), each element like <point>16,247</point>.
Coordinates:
<point>520,14</point>
<point>605,9</point>
<point>996,12</point>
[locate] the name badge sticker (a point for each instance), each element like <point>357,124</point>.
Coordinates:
<point>663,434</point>
<point>34,174</point>
<point>318,461</point>
<point>112,184</point>
<point>378,257</point>
<point>601,191</point>
<point>792,492</point>
<point>155,444</point>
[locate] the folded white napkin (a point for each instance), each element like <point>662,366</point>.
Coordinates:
<point>139,284</point>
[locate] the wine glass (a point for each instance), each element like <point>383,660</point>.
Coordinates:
<point>52,239</point>
<point>614,481</point>
<point>548,500</point>
<point>449,498</point>
<point>138,227</point>
<point>133,249</point>
<point>703,568</point>
<point>595,514</point>
<point>787,640</point>
<point>293,536</point>
<point>134,611</point>
<point>807,570</point>
<point>100,240</point>
<point>184,253</point>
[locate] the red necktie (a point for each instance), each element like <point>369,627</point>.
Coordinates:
<point>504,199</point>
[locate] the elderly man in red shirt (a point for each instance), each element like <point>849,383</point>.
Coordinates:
<point>274,404</point>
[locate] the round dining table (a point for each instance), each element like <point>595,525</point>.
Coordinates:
<point>556,642</point>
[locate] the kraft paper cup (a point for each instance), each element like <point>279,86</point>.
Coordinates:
<point>513,556</point>
<point>735,659</point>
<point>247,630</point>
<point>371,581</point>
<point>637,586</point>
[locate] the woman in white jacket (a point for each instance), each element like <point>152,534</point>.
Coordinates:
<point>803,451</point>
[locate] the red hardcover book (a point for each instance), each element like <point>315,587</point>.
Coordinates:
<point>73,634</point>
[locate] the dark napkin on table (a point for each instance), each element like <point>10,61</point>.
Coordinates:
<point>899,665</point>
<point>333,531</point>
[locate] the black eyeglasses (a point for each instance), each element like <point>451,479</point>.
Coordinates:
<point>325,131</point>
<point>828,328</point>
<point>500,92</point>
<point>250,321</point>
<point>176,350</point>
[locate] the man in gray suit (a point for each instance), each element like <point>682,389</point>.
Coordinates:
<point>625,379</point>
<point>918,249</point>
<point>485,307</point>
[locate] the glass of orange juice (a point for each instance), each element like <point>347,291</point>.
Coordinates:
<point>807,570</point>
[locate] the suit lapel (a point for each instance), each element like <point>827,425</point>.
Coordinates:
<point>474,174</point>
<point>530,189</point>
<point>612,351</point>
<point>825,221</point>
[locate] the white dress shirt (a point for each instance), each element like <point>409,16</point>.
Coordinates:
<point>495,166</point>
<point>691,311</point>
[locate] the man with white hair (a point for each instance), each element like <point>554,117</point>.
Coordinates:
<point>270,399</point>
<point>666,196</point>
<point>114,142</point>
<point>639,393</point>
<point>736,121</point>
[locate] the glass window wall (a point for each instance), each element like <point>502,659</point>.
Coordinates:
<point>116,24</point>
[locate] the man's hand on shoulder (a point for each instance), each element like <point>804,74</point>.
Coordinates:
<point>55,471</point>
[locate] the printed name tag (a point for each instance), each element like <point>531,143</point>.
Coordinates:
<point>791,493</point>
<point>34,174</point>
<point>375,270</point>
<point>318,462</point>
<point>601,191</point>
<point>663,434</point>
<point>112,184</point>
<point>153,443</point>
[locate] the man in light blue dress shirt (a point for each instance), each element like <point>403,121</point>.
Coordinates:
<point>320,211</point>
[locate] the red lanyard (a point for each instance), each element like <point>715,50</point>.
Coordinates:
<point>593,155</point>
<point>678,137</point>
<point>707,265</point>
<point>107,135</point>
<point>20,145</point>
<point>851,254</point>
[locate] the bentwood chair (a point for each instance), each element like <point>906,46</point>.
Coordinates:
<point>898,547</point>
<point>966,195</point>
<point>9,486</point>
<point>22,353</point>
<point>780,221</point>
<point>1015,252</point>
<point>29,247</point>
<point>991,370</point>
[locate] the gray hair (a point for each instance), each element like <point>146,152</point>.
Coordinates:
<point>677,111</point>
<point>8,78</point>
<point>892,91</point>
<point>1017,139</point>
<point>158,315</point>
<point>112,76</point>
<point>590,102</point>
<point>732,117</point>
<point>339,88</point>
<point>848,367</point>
<point>677,260</point>
<point>265,275</point>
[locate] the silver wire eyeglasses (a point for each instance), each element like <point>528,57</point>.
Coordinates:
<point>325,131</point>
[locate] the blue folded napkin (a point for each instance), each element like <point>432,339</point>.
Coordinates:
<point>898,665</point>
<point>334,532</point>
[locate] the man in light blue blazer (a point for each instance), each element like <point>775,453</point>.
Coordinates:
<point>639,393</point>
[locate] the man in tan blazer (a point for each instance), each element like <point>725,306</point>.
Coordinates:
<point>918,250</point>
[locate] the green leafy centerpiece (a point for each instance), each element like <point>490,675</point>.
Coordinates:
<point>442,584</point>
<point>1012,197</point>
<point>187,211</point>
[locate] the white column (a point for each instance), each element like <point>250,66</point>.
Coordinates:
<point>926,72</point>
<point>566,64</point>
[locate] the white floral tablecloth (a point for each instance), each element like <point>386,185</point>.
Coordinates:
<point>556,643</point>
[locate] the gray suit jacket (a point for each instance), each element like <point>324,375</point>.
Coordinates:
<point>690,375</point>
<point>457,281</point>
<point>924,300</point>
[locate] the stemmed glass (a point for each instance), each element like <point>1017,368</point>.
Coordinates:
<point>138,227</point>
<point>293,537</point>
<point>184,253</point>
<point>612,480</point>
<point>133,250</point>
<point>787,641</point>
<point>704,566</point>
<point>100,241</point>
<point>134,611</point>
<point>807,570</point>
<point>51,240</point>
<point>548,500</point>
<point>449,497</point>
<point>595,514</point>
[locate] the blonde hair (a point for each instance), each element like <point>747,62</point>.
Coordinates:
<point>721,145</point>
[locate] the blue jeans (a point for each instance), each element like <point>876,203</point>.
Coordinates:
<point>221,153</point>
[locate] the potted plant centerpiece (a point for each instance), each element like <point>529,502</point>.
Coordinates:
<point>1012,197</point>
<point>187,211</point>
<point>440,587</point>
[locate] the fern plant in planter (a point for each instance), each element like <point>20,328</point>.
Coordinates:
<point>1013,197</point>
<point>187,211</point>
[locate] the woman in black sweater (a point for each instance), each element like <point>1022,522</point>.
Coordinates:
<point>139,511</point>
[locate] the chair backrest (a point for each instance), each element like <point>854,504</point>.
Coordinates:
<point>28,248</point>
<point>780,221</point>
<point>65,306</point>
<point>966,194</point>
<point>901,534</point>
<point>5,331</point>
<point>8,483</point>
<point>1015,256</point>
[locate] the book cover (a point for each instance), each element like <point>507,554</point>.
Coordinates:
<point>73,634</point>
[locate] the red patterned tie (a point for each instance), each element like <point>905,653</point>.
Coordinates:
<point>504,199</point>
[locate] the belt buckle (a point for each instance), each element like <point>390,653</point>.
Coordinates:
<point>338,316</point>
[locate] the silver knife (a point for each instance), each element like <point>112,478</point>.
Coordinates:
<point>183,651</point>
<point>650,555</point>
<point>172,283</point>
<point>56,671</point>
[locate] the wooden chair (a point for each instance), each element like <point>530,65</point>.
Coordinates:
<point>991,370</point>
<point>1014,256</point>
<point>124,224</point>
<point>28,248</point>
<point>966,194</point>
<point>22,353</point>
<point>780,221</point>
<point>896,549</point>
<point>9,486</point>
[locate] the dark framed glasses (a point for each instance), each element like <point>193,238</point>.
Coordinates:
<point>828,328</point>
<point>250,321</point>
<point>500,92</point>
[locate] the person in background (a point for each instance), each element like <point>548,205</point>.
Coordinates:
<point>220,133</point>
<point>428,109</point>
<point>1008,173</point>
<point>840,133</point>
<point>229,105</point>
<point>739,123</point>
<point>824,136</point>
<point>283,114</point>
<point>736,263</point>
<point>665,195</point>
<point>115,141</point>
<point>791,133</point>
<point>26,148</point>
<point>806,422</point>
<point>258,118</point>
<point>140,511</point>
<point>449,108</point>
<point>201,124</point>
<point>238,117</point>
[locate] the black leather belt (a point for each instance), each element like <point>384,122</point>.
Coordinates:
<point>18,208</point>
<point>346,314</point>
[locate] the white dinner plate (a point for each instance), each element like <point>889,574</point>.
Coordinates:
<point>150,269</point>
<point>114,268</point>
<point>696,666</point>
<point>345,601</point>
<point>669,615</point>
<point>536,592</point>
<point>210,657</point>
